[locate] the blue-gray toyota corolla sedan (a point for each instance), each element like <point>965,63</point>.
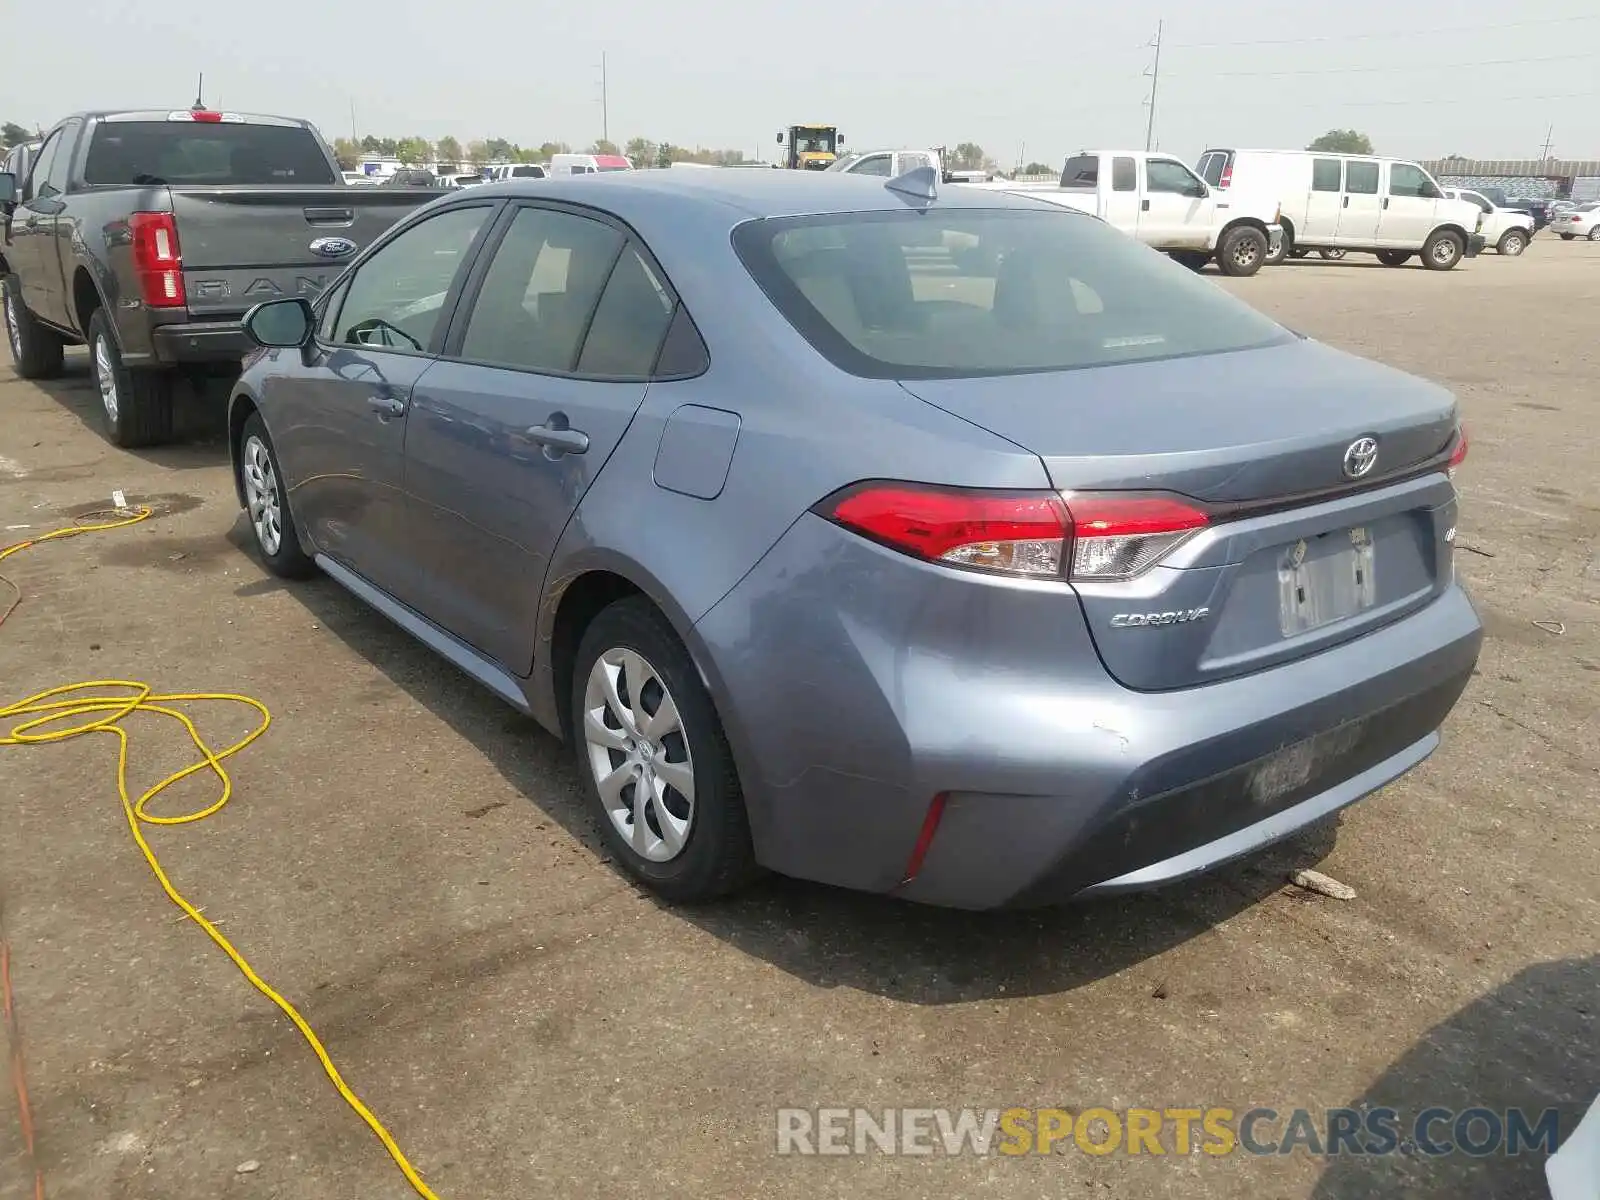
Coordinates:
<point>910,538</point>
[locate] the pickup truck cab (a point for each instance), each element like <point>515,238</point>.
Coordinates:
<point>1508,230</point>
<point>1390,207</point>
<point>1158,200</point>
<point>889,164</point>
<point>147,235</point>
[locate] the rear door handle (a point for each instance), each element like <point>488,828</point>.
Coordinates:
<point>1346,203</point>
<point>1386,202</point>
<point>555,434</point>
<point>387,406</point>
<point>1144,205</point>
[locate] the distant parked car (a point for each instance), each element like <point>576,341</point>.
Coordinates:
<point>1582,221</point>
<point>358,178</point>
<point>981,579</point>
<point>1508,230</point>
<point>412,177</point>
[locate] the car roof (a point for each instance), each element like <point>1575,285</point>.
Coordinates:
<point>769,193</point>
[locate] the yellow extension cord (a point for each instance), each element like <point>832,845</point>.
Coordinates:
<point>106,712</point>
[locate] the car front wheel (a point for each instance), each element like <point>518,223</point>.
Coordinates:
<point>1242,251</point>
<point>261,481</point>
<point>1513,243</point>
<point>654,759</point>
<point>1442,250</point>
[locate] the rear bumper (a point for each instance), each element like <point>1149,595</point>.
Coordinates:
<point>858,685</point>
<point>210,342</point>
<point>1475,244</point>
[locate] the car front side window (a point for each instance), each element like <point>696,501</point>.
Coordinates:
<point>396,298</point>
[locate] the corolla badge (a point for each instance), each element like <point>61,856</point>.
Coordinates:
<point>334,247</point>
<point>1360,457</point>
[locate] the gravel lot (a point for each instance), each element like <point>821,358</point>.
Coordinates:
<point>408,860</point>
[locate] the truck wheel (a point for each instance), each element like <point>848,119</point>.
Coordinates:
<point>137,404</point>
<point>1195,260</point>
<point>1513,243</point>
<point>1285,248</point>
<point>1442,250</point>
<point>35,348</point>
<point>1242,251</point>
<point>1394,258</point>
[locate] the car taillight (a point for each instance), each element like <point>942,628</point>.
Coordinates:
<point>1121,536</point>
<point>157,260</point>
<point>1458,453</point>
<point>1087,536</point>
<point>1227,177</point>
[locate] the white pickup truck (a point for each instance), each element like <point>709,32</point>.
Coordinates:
<point>1159,200</point>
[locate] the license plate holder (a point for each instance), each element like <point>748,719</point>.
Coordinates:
<point>1325,580</point>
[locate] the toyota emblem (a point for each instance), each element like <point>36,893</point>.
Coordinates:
<point>1360,457</point>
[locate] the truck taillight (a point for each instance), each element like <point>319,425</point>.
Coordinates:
<point>157,260</point>
<point>1227,177</point>
<point>1082,536</point>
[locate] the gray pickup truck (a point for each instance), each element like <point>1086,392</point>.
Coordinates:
<point>147,236</point>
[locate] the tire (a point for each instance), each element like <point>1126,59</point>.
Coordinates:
<point>698,847</point>
<point>1442,251</point>
<point>1242,251</point>
<point>1195,260</point>
<point>266,504</point>
<point>1299,252</point>
<point>1332,255</point>
<point>136,405</point>
<point>1567,237</point>
<point>1394,258</point>
<point>1512,243</point>
<point>1594,234</point>
<point>36,349</point>
<point>1285,248</point>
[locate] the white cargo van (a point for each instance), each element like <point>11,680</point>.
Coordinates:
<point>587,164</point>
<point>1384,206</point>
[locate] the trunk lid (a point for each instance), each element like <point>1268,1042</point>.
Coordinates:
<point>1298,556</point>
<point>242,245</point>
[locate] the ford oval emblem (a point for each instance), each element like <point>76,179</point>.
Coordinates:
<point>333,247</point>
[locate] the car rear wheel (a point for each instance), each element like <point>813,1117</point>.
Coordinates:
<point>654,759</point>
<point>265,499</point>
<point>1285,248</point>
<point>1332,255</point>
<point>1195,260</point>
<point>1513,243</point>
<point>137,405</point>
<point>1243,251</point>
<point>1594,234</point>
<point>1442,250</point>
<point>1567,237</point>
<point>1394,258</point>
<point>36,349</point>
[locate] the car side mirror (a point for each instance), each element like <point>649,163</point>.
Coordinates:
<point>1200,191</point>
<point>8,188</point>
<point>280,324</point>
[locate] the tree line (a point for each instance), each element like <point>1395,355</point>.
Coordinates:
<point>642,152</point>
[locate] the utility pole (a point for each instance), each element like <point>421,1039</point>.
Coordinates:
<point>605,111</point>
<point>1155,82</point>
<point>353,136</point>
<point>1548,134</point>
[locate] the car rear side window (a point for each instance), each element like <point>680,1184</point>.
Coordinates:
<point>916,295</point>
<point>540,292</point>
<point>1081,171</point>
<point>194,152</point>
<point>1327,174</point>
<point>1361,178</point>
<point>395,298</point>
<point>629,323</point>
<point>1124,175</point>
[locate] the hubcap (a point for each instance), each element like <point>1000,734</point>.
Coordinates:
<point>1514,244</point>
<point>1444,250</point>
<point>1245,252</point>
<point>13,330</point>
<point>106,377</point>
<point>639,754</point>
<point>261,495</point>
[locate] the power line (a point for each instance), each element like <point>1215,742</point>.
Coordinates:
<point>1482,62</point>
<point>1393,33</point>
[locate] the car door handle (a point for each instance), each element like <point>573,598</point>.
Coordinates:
<point>1144,205</point>
<point>387,406</point>
<point>1346,203</point>
<point>556,435</point>
<point>1386,202</point>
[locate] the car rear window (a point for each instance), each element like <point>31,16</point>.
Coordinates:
<point>189,152</point>
<point>903,294</point>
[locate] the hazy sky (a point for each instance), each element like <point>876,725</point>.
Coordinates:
<point>1485,80</point>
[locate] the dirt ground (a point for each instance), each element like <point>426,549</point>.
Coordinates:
<point>408,861</point>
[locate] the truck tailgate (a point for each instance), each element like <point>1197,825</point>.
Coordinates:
<point>242,245</point>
